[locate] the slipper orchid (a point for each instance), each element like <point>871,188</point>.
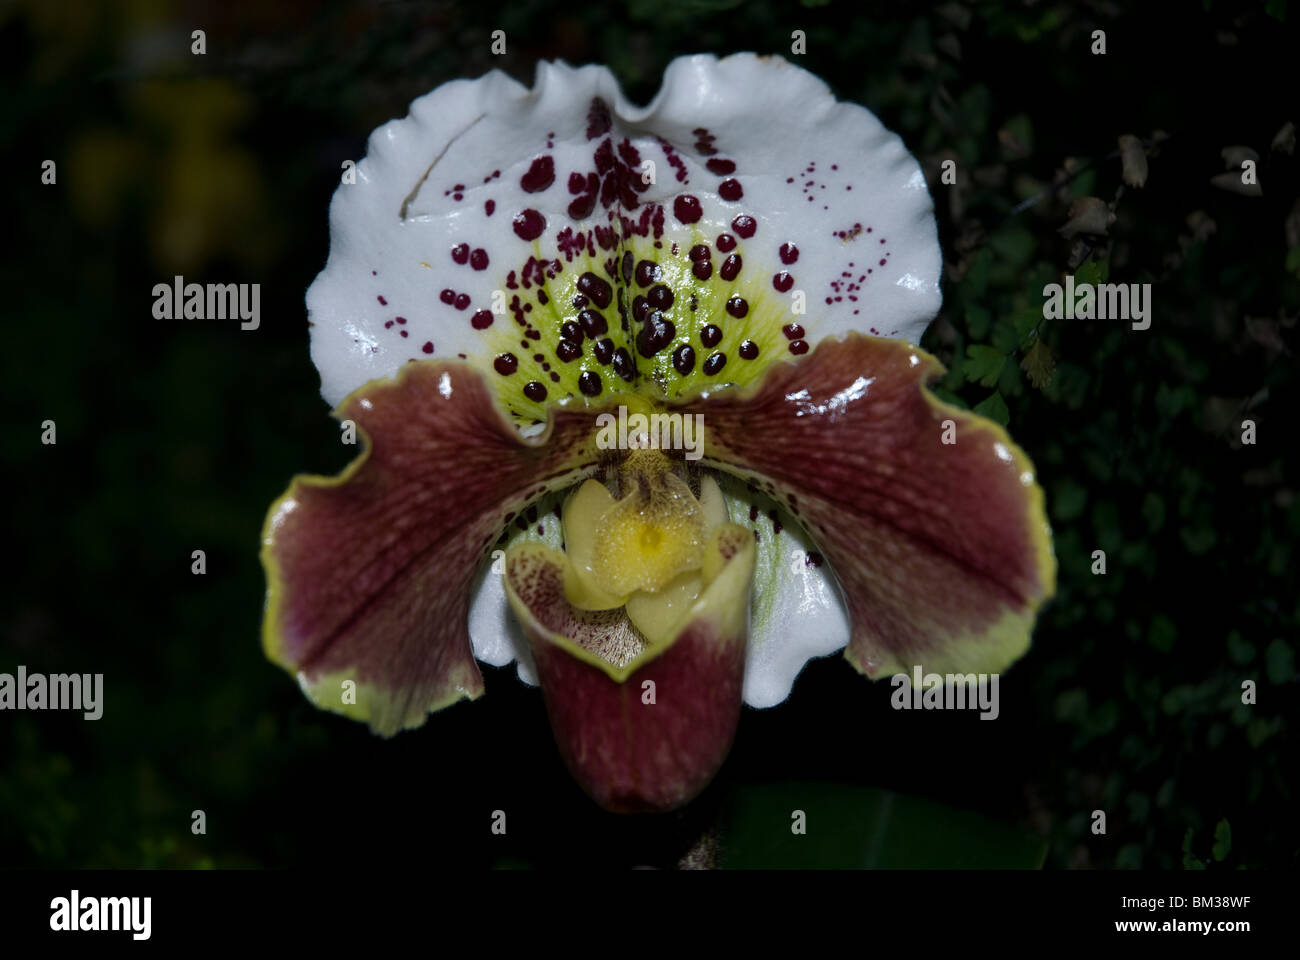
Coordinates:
<point>513,266</point>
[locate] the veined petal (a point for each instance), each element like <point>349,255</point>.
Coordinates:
<point>942,548</point>
<point>574,246</point>
<point>369,573</point>
<point>641,726</point>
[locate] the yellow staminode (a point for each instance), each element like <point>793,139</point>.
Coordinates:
<point>644,551</point>
<point>654,533</point>
<point>581,518</point>
<point>656,614</point>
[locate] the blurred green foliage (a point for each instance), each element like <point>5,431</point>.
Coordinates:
<point>798,825</point>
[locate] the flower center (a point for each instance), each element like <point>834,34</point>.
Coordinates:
<point>654,533</point>
<point>645,550</point>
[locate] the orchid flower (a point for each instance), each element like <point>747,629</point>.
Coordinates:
<point>513,266</point>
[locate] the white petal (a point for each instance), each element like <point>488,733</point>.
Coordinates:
<point>781,123</point>
<point>494,633</point>
<point>796,612</point>
<point>818,176</point>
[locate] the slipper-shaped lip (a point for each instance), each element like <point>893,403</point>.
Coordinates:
<point>648,734</point>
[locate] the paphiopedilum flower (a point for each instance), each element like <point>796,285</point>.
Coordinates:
<point>512,264</point>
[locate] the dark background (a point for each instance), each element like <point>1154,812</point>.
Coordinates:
<point>177,435</point>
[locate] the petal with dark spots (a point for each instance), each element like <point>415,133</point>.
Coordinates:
<point>490,218</point>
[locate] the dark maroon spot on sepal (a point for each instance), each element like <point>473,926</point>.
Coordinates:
<point>656,333</point>
<point>647,272</point>
<point>684,359</point>
<point>598,119</point>
<point>540,175</point>
<point>592,323</point>
<point>687,209</point>
<point>660,297</point>
<point>623,364</point>
<point>597,289</point>
<point>529,224</point>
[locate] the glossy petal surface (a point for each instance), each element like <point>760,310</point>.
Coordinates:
<point>573,245</point>
<point>942,549</point>
<point>369,573</point>
<point>796,611</point>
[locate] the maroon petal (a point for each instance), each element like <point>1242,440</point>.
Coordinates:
<point>369,572</point>
<point>648,731</point>
<point>942,549</point>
